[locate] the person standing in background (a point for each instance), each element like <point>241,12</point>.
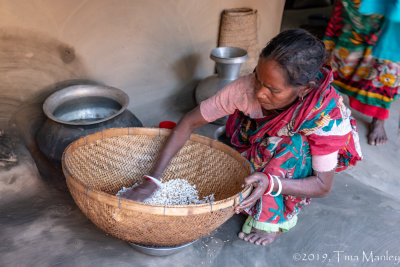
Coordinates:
<point>363,51</point>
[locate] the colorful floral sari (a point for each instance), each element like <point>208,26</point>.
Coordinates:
<point>282,144</point>
<point>371,83</point>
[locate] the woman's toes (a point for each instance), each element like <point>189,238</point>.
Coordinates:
<point>241,235</point>
<point>254,238</point>
<point>248,237</point>
<point>258,237</point>
<point>266,242</point>
<point>371,142</point>
<point>384,140</point>
<point>377,134</point>
<point>381,141</point>
<point>259,241</point>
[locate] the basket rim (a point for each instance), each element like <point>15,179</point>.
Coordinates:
<point>170,210</point>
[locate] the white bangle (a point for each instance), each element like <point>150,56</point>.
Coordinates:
<point>279,186</point>
<point>154,180</point>
<point>271,180</point>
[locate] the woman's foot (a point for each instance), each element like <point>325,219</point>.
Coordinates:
<point>259,237</point>
<point>377,134</point>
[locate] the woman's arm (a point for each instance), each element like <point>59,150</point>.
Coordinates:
<point>318,185</point>
<point>180,134</point>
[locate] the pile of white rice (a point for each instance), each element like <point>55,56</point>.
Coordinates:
<point>174,192</point>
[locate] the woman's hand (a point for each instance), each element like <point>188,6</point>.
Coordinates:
<point>140,192</point>
<point>260,183</point>
<point>176,140</point>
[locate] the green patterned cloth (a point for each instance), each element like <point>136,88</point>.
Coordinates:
<point>268,227</point>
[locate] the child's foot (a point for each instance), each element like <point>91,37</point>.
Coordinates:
<point>377,134</point>
<point>259,237</point>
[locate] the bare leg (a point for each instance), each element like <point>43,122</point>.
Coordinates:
<point>259,237</point>
<point>377,134</point>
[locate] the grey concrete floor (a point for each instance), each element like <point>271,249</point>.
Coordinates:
<point>356,225</point>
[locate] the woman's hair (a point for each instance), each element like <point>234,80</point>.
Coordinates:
<point>299,53</point>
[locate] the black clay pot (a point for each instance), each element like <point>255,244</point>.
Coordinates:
<point>79,110</point>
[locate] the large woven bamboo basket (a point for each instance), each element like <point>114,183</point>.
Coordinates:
<point>97,166</point>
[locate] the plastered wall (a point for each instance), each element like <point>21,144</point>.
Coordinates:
<point>155,50</point>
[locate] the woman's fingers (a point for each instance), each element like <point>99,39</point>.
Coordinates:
<point>252,179</point>
<point>141,192</point>
<point>254,196</point>
<point>260,183</point>
<point>249,201</point>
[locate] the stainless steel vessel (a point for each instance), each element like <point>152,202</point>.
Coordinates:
<point>79,110</point>
<point>85,104</point>
<point>228,62</point>
<point>160,251</point>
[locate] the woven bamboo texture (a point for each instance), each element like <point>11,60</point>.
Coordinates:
<point>97,166</point>
<point>239,29</point>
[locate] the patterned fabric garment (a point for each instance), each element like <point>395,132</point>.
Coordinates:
<point>282,145</point>
<point>371,83</point>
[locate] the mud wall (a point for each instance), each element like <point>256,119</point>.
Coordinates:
<point>156,51</point>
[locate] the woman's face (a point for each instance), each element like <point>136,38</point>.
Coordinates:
<point>272,90</point>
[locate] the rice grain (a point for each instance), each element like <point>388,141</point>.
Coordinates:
<point>174,192</point>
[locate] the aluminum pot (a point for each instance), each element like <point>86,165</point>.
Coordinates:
<point>78,110</point>
<point>160,251</point>
<point>228,61</point>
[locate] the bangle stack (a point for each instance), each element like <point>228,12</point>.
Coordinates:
<point>153,180</point>
<point>271,186</point>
